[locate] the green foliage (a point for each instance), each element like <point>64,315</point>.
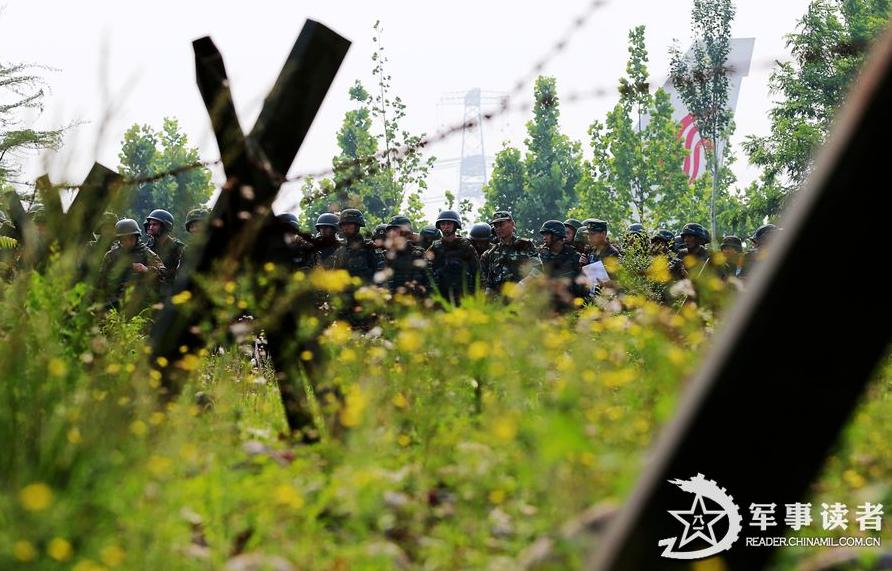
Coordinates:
<point>380,168</point>
<point>828,47</point>
<point>541,185</point>
<point>635,173</point>
<point>145,153</point>
<point>702,83</point>
<point>22,90</point>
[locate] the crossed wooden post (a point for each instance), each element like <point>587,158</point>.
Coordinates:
<point>795,356</point>
<point>100,191</point>
<point>242,224</point>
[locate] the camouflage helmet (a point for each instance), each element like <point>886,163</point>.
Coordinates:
<point>399,221</point>
<point>127,227</point>
<point>289,219</point>
<point>763,231</point>
<point>430,233</point>
<point>449,216</point>
<point>595,225</point>
<point>663,235</point>
<point>351,216</point>
<point>555,227</point>
<point>500,216</point>
<point>480,231</point>
<point>635,228</point>
<point>573,223</point>
<point>733,242</point>
<point>162,216</point>
<point>380,232</point>
<point>327,219</point>
<point>696,230</point>
<point>195,215</point>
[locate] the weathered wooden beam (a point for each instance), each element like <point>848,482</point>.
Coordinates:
<point>241,223</point>
<point>794,357</point>
<point>100,192</point>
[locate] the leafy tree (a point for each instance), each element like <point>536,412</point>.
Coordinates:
<point>541,185</point>
<point>380,168</point>
<point>145,153</point>
<point>828,48</point>
<point>635,173</point>
<point>22,89</point>
<point>702,83</point>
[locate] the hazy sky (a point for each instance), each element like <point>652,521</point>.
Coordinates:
<point>140,55</point>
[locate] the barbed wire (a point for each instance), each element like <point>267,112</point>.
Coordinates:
<point>369,164</point>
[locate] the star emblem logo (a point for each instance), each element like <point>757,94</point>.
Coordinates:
<point>698,522</point>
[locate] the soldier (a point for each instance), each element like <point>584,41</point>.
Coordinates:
<point>379,236</point>
<point>297,247</point>
<point>760,239</point>
<point>573,225</point>
<point>600,247</point>
<point>327,242</point>
<point>481,237</point>
<point>357,255</point>
<point>196,220</point>
<point>636,238</point>
<point>428,236</point>
<point>695,239</point>
<point>560,262</point>
<point>405,260</point>
<point>661,243</point>
<point>454,262</point>
<point>511,259</point>
<point>158,225</point>
<point>130,262</point>
<point>732,249</point>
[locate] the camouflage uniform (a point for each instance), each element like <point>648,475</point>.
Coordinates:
<point>171,253</point>
<point>454,266</point>
<point>359,257</point>
<point>116,273</point>
<point>326,247</point>
<point>409,269</point>
<point>509,261</point>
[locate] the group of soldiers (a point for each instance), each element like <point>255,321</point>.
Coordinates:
<point>436,260</point>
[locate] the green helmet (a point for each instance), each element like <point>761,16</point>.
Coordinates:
<point>555,227</point>
<point>289,219</point>
<point>399,221</point>
<point>696,230</point>
<point>732,241</point>
<point>480,231</point>
<point>195,215</point>
<point>635,228</point>
<point>449,216</point>
<point>663,235</point>
<point>327,219</point>
<point>351,216</point>
<point>380,232</point>
<point>162,216</point>
<point>107,220</point>
<point>127,227</point>
<point>500,216</point>
<point>573,223</point>
<point>431,233</point>
<point>763,231</point>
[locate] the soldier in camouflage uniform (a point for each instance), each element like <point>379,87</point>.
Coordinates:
<point>326,239</point>
<point>454,262</point>
<point>158,226</point>
<point>379,237</point>
<point>694,254</point>
<point>600,247</point>
<point>130,263</point>
<point>560,262</point>
<point>511,259</point>
<point>405,260</point>
<point>732,250</point>
<point>357,255</point>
